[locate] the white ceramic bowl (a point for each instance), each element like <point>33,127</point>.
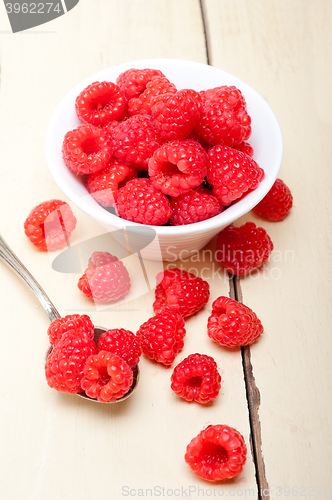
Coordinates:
<point>168,242</point>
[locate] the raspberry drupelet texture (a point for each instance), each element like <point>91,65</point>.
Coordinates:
<point>178,166</point>
<point>161,337</point>
<point>75,322</point>
<point>195,206</point>
<point>176,115</point>
<point>232,173</point>
<point>218,452</point>
<point>86,149</point>
<point>107,377</point>
<point>224,118</point>
<point>106,279</point>
<point>196,378</point>
<point>100,103</point>
<point>233,324</point>
<point>50,224</point>
<point>133,81</point>
<point>139,201</point>
<point>276,205</point>
<point>181,292</point>
<point>135,140</point>
<point>241,249</point>
<point>122,342</point>
<point>64,366</point>
<point>157,87</point>
<point>104,184</point>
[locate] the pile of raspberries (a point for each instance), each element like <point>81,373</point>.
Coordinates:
<point>106,369</point>
<point>156,155</point>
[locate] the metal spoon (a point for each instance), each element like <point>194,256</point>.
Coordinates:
<point>12,261</point>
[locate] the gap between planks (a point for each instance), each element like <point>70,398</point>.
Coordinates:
<point>253,401</point>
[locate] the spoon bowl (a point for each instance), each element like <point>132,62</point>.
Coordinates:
<point>12,261</point>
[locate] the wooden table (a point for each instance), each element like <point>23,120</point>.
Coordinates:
<point>57,446</point>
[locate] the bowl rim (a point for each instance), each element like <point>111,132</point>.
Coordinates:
<point>92,208</point>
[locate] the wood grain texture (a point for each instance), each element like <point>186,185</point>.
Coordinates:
<point>282,49</point>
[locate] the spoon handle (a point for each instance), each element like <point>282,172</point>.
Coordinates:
<point>12,261</point>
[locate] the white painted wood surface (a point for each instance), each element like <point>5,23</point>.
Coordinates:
<point>56,446</point>
<point>283,49</point>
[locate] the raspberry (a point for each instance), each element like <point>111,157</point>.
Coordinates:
<point>86,149</point>
<point>224,119</point>
<point>106,279</point>
<point>100,103</point>
<point>75,322</point>
<point>122,342</point>
<point>276,205</point>
<point>218,452</point>
<point>133,81</point>
<point>50,224</point>
<point>196,378</point>
<point>106,377</point>
<point>181,292</point>
<point>162,337</point>
<point>241,249</point>
<point>64,366</point>
<point>176,115</point>
<point>157,87</point>
<point>232,173</point>
<point>245,148</point>
<point>139,201</point>
<point>233,324</point>
<point>178,166</point>
<point>195,206</point>
<point>135,140</point>
<point>104,184</point>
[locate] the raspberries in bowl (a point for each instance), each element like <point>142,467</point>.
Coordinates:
<point>174,148</point>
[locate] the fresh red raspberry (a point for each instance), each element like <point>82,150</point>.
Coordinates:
<point>86,149</point>
<point>245,148</point>
<point>122,342</point>
<point>161,337</point>
<point>75,322</point>
<point>218,452</point>
<point>196,378</point>
<point>64,366</point>
<point>100,103</point>
<point>139,201</point>
<point>224,119</point>
<point>103,185</point>
<point>133,81</point>
<point>154,89</point>
<point>276,205</point>
<point>106,279</point>
<point>232,173</point>
<point>107,377</point>
<point>233,324</point>
<point>181,292</point>
<point>178,166</point>
<point>241,249</point>
<point>176,115</point>
<point>195,206</point>
<point>135,140</point>
<point>50,224</point>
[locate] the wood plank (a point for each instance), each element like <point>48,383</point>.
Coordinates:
<point>282,49</point>
<point>61,446</point>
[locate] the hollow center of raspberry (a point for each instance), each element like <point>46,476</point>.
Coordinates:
<point>102,103</point>
<point>90,146</point>
<point>213,455</point>
<point>194,382</point>
<point>104,377</point>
